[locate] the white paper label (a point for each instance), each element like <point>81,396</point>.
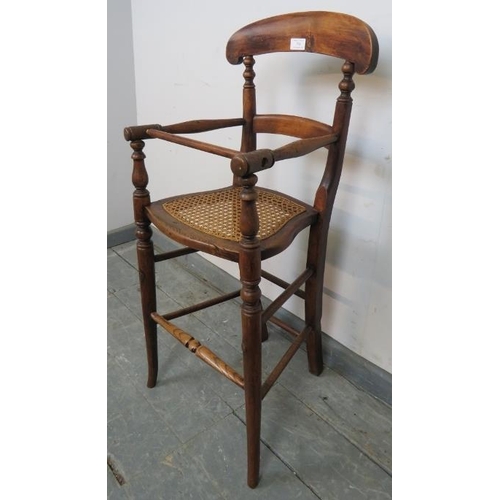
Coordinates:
<point>297,44</point>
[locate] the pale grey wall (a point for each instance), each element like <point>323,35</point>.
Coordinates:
<point>121,112</point>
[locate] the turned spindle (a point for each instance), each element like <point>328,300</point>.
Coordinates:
<point>145,258</point>
<point>251,315</point>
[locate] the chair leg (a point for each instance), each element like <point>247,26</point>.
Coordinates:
<point>314,297</point>
<point>145,258</point>
<point>265,332</point>
<point>251,323</point>
<point>252,366</point>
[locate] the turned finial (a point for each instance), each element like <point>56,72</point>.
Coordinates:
<point>346,86</point>
<point>249,73</point>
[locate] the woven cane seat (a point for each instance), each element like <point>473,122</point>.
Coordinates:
<point>218,212</point>
<point>213,217</point>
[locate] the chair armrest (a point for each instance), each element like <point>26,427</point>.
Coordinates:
<point>139,132</point>
<point>192,143</point>
<point>243,164</point>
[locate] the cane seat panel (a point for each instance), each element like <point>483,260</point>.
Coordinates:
<point>213,218</point>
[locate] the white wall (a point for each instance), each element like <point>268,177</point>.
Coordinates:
<point>121,112</point>
<point>181,74</point>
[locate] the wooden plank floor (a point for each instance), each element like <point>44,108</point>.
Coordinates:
<point>322,437</point>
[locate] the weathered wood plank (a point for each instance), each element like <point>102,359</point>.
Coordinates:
<point>318,453</point>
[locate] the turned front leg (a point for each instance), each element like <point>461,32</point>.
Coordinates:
<point>145,259</point>
<point>251,315</point>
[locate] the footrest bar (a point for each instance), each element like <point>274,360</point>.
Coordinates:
<point>287,293</point>
<point>284,326</point>
<point>174,253</point>
<point>278,369</point>
<point>202,352</point>
<point>201,305</point>
<point>283,284</point>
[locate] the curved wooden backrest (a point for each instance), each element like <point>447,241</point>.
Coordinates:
<point>329,33</point>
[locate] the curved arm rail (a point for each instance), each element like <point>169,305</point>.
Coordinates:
<point>244,164</point>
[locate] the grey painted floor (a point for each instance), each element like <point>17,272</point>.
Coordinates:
<point>185,439</point>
